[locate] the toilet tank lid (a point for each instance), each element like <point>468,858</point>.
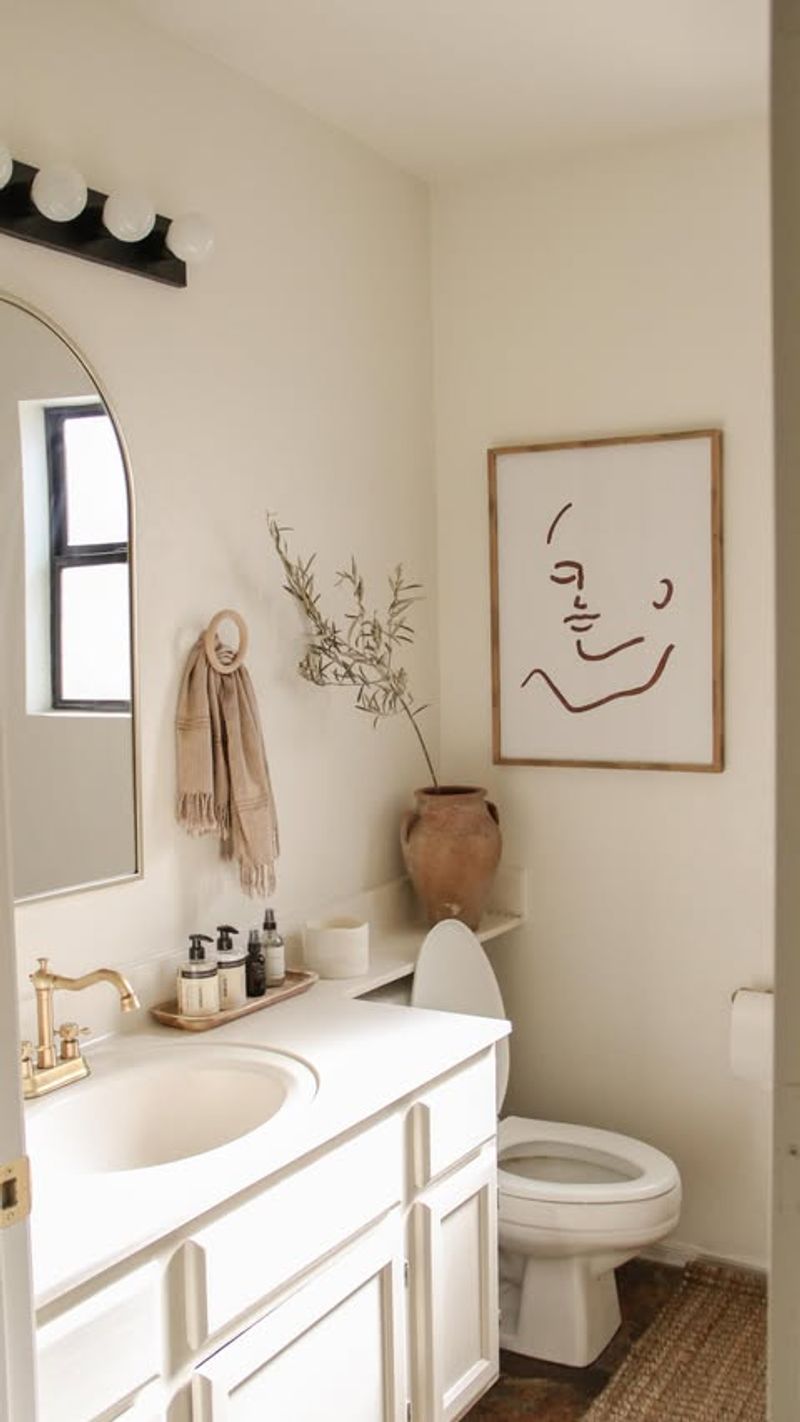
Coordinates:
<point>453,974</point>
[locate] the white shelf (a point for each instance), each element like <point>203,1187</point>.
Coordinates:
<point>397,931</point>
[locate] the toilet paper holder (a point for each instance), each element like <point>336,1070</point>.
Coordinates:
<point>751,1043</point>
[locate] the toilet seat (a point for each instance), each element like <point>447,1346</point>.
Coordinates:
<point>453,974</point>
<point>633,1170</point>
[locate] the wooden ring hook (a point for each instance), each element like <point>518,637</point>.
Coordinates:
<point>209,641</point>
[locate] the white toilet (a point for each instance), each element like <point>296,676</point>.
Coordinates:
<point>574,1203</point>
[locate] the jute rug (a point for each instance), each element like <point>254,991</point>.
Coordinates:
<point>702,1360</point>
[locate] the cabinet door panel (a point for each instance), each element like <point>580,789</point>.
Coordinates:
<point>236,1261</point>
<point>454,1254</point>
<point>335,1349</point>
<point>141,1412</point>
<point>454,1119</point>
<point>100,1351</point>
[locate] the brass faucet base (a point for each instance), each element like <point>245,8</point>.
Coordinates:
<point>47,1072</point>
<point>50,1078</point>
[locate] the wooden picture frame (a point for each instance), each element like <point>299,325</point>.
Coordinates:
<point>606,602</point>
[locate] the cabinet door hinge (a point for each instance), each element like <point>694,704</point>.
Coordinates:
<point>406,1277</point>
<point>15,1192</point>
<point>408,1412</point>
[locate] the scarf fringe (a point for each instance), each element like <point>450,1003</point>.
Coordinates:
<point>199,814</point>
<point>196,812</point>
<point>257,880</point>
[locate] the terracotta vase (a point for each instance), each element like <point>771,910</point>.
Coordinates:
<point>451,846</point>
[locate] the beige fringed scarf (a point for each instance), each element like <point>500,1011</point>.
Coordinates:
<point>223,778</point>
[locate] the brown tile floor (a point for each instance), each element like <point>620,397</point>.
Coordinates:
<point>528,1389</point>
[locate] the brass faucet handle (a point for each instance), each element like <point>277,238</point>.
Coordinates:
<point>69,1032</point>
<point>26,1059</point>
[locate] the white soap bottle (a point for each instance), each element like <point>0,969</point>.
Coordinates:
<point>198,981</point>
<point>231,962</point>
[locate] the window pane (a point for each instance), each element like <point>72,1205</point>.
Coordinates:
<point>97,505</point>
<point>95,633</point>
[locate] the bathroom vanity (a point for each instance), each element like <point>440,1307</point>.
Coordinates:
<point>344,1249</point>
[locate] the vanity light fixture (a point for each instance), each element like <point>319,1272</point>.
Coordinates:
<point>190,237</point>
<point>59,192</point>
<point>129,216</point>
<point>6,165</point>
<point>53,207</point>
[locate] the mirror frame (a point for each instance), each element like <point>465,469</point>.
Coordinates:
<point>7,298</point>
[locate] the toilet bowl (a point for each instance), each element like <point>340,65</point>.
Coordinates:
<point>574,1202</point>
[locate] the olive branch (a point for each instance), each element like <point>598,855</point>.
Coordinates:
<point>362,653</point>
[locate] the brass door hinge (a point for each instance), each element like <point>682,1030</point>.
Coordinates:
<point>15,1192</point>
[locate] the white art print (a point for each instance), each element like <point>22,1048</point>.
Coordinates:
<point>606,602</point>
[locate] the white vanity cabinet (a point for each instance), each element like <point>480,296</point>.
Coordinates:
<point>358,1285</point>
<point>454,1305</point>
<point>79,1380</point>
<point>253,1250</point>
<point>335,1349</point>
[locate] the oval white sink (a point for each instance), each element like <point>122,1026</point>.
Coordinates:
<point>154,1105</point>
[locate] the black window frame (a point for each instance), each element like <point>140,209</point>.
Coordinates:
<point>64,554</point>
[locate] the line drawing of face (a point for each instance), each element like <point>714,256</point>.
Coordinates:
<point>583,619</point>
<point>570,573</point>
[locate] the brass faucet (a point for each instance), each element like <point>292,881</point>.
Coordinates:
<point>49,1071</point>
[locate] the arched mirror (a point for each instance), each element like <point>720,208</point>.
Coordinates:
<point>67,615</point>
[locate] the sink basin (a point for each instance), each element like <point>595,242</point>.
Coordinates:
<point>155,1105</point>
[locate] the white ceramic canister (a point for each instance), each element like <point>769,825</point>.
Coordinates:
<point>337,947</point>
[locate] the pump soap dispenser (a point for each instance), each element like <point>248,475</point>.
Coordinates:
<point>231,964</point>
<point>198,981</point>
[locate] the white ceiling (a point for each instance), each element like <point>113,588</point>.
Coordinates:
<point>440,86</point>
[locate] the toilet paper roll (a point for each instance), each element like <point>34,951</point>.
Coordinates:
<point>752,1025</point>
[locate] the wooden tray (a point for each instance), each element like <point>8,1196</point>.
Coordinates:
<point>296,982</point>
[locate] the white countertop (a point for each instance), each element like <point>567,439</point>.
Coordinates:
<point>366,1056</point>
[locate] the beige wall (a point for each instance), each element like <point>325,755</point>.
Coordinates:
<point>293,374</point>
<point>625,291</point>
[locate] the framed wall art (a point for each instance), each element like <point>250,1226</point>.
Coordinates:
<point>606,582</point>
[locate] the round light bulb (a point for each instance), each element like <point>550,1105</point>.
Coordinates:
<point>129,216</point>
<point>190,237</point>
<point>6,165</point>
<point>59,192</point>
